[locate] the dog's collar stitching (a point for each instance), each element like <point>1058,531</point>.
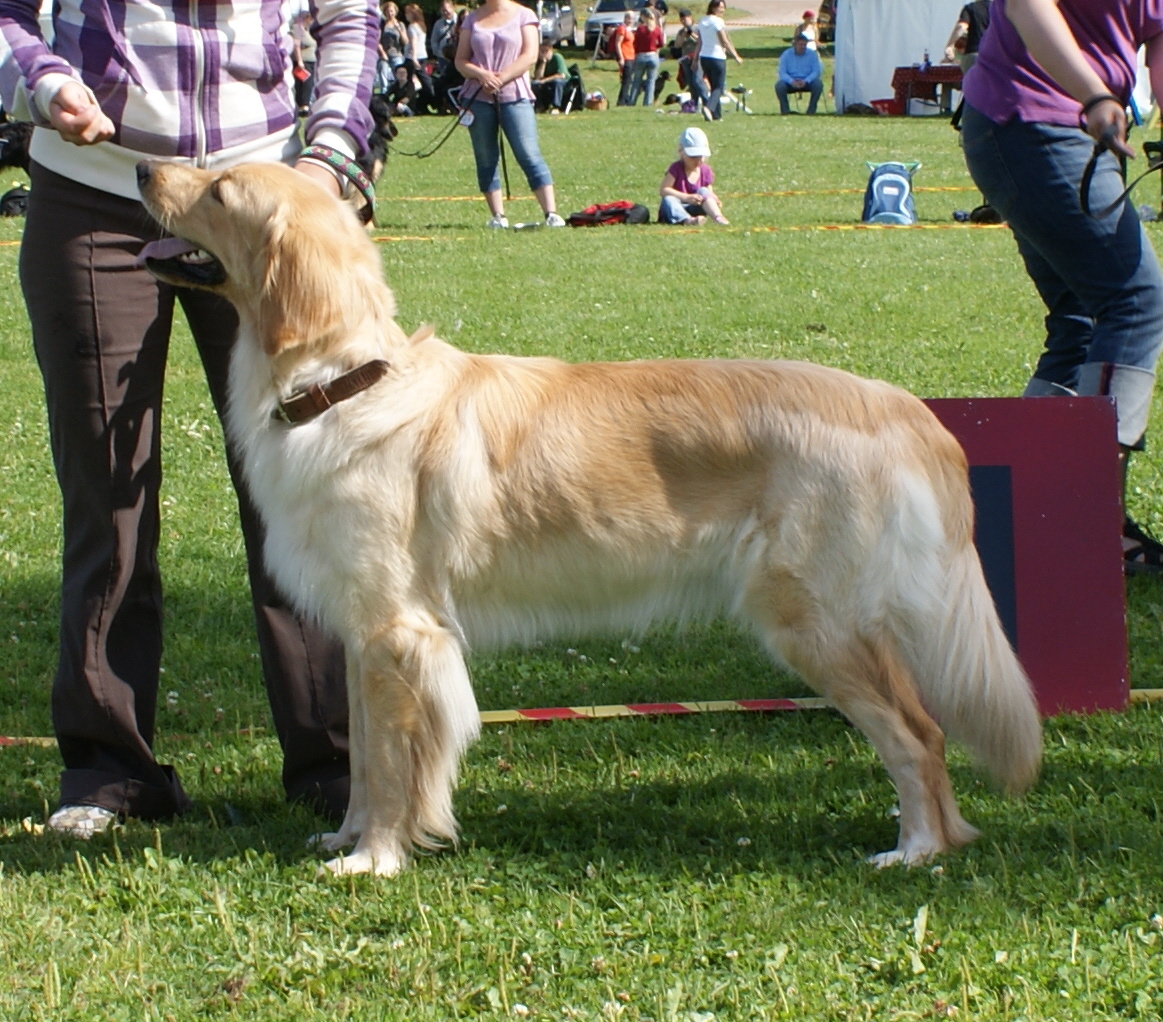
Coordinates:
<point>350,170</point>
<point>314,400</point>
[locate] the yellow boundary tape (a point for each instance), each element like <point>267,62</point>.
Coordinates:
<point>616,710</point>
<point>790,193</point>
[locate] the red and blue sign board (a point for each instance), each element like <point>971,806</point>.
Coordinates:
<point>1046,489</point>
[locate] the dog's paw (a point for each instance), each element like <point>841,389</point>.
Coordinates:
<point>382,864</point>
<point>903,857</point>
<point>332,841</point>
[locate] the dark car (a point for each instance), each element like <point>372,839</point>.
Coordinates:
<point>558,22</point>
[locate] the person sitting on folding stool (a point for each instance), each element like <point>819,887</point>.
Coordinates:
<point>800,70</point>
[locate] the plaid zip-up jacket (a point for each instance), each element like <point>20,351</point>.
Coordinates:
<point>197,81</point>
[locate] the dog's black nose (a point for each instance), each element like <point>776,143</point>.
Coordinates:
<point>143,172</point>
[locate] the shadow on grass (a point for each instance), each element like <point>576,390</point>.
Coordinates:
<point>716,801</point>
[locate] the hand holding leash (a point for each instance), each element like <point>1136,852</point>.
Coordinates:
<point>1106,122</point>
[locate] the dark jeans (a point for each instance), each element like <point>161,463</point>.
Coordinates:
<point>783,90</point>
<point>716,72</point>
<point>101,330</point>
<point>693,76</point>
<point>1097,276</point>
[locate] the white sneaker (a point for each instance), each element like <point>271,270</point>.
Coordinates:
<point>553,220</point>
<point>81,821</point>
<point>498,222</point>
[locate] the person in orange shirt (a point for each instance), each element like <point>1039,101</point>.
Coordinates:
<point>621,44</point>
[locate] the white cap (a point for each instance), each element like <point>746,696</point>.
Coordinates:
<point>693,142</point>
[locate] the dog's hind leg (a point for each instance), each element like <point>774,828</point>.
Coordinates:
<point>871,687</point>
<point>867,682</point>
<point>419,715</point>
<point>355,818</point>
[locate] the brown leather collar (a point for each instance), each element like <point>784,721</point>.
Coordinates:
<point>314,400</point>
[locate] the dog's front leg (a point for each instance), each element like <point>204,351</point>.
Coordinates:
<point>355,819</point>
<point>418,714</point>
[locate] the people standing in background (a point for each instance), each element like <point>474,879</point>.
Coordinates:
<point>621,44</point>
<point>690,74</point>
<point>416,54</point>
<point>807,28</point>
<point>443,30</point>
<point>393,34</point>
<point>648,41</point>
<point>714,45</point>
<point>497,46</point>
<point>1052,79</point>
<point>967,33</point>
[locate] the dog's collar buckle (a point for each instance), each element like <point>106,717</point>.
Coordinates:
<point>314,400</point>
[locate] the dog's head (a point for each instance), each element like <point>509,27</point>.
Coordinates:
<point>294,261</point>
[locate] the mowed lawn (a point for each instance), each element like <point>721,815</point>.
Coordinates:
<point>680,868</point>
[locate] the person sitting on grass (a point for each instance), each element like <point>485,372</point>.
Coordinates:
<point>687,195</point>
<point>800,70</point>
<point>549,77</point>
<point>403,95</point>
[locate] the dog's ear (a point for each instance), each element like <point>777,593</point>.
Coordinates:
<point>298,301</point>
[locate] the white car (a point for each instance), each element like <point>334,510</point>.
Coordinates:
<point>604,15</point>
<point>558,24</point>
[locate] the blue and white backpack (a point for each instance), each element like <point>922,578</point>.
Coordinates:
<point>888,199</point>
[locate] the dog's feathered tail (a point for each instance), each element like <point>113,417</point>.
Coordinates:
<point>971,679</point>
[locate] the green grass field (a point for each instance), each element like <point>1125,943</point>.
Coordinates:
<point>674,869</point>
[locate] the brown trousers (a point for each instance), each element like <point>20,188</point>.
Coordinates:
<point>101,330</point>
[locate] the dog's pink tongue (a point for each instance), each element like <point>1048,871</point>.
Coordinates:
<point>165,248</point>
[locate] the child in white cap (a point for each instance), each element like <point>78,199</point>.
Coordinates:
<point>687,195</point>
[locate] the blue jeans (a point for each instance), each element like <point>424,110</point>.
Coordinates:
<point>519,124</point>
<point>716,72</point>
<point>626,76</point>
<point>675,211</point>
<point>1099,279</point>
<point>645,67</point>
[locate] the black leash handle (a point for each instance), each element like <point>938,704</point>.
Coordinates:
<point>1154,163</point>
<point>501,146</point>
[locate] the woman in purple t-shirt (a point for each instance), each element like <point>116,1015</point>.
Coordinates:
<point>1052,79</point>
<point>498,44</point>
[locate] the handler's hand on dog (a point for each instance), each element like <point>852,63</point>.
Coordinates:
<point>321,175</point>
<point>78,117</point>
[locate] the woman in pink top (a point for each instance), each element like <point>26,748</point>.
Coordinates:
<point>498,44</point>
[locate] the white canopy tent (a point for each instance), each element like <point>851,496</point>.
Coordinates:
<point>875,36</point>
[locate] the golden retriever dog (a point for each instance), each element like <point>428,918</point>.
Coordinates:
<point>421,502</point>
